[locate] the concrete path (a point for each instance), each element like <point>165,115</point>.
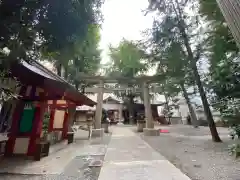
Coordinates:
<point>128,157</point>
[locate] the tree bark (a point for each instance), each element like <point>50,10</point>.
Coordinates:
<point>131,109</point>
<point>190,108</point>
<point>167,106</point>
<point>231,12</point>
<point>66,73</point>
<point>207,111</point>
<point>59,69</point>
<point>71,117</point>
<point>76,85</point>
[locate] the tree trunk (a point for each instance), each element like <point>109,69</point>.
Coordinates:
<point>59,69</point>
<point>131,109</point>
<point>190,108</point>
<point>167,106</point>
<point>71,118</point>
<point>76,85</point>
<point>66,74</point>
<point>208,113</point>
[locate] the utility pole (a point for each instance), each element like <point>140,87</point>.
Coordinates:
<point>231,12</point>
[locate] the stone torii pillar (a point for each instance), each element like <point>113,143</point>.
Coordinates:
<point>98,131</point>
<point>149,130</point>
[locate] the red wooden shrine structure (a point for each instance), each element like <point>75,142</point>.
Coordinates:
<point>41,90</point>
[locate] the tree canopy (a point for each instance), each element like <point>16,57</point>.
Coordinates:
<point>86,58</point>
<point>177,21</point>
<point>53,30</point>
<point>27,26</point>
<point>224,64</point>
<point>128,60</point>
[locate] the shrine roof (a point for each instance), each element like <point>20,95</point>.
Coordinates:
<point>35,74</point>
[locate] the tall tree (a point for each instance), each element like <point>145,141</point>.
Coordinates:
<point>172,61</point>
<point>80,17</point>
<point>128,61</point>
<point>224,63</point>
<point>86,57</point>
<point>53,25</point>
<point>183,26</point>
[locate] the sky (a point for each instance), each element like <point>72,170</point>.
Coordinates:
<point>122,19</point>
<point>125,19</point>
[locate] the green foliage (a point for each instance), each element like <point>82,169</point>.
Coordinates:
<point>45,125</point>
<point>235,133</point>
<point>226,79</point>
<point>17,33</point>
<point>128,59</point>
<point>222,51</point>
<point>167,50</point>
<point>178,22</point>
<point>54,30</point>
<point>234,150</point>
<point>224,62</point>
<point>52,26</point>
<point>62,23</point>
<point>85,57</point>
<point>224,67</point>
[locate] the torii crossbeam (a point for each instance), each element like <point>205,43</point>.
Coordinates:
<point>143,80</point>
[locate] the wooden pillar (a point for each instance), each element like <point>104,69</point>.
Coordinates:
<point>231,12</point>
<point>147,106</point>
<point>65,125</point>
<point>37,126</point>
<point>15,123</point>
<point>14,128</point>
<point>98,113</point>
<point>70,118</point>
<point>51,120</point>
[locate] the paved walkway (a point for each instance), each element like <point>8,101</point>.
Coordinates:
<point>128,157</point>
<point>125,157</point>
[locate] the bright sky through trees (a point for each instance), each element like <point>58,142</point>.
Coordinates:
<point>123,19</point>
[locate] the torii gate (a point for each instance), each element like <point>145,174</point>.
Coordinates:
<point>143,80</point>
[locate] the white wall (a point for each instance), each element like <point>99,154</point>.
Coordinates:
<point>58,119</point>
<point>183,108</point>
<point>112,106</point>
<point>184,112</point>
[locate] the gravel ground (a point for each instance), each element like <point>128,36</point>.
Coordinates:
<point>192,151</point>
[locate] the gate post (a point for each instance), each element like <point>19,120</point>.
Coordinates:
<point>149,130</point>
<point>98,131</point>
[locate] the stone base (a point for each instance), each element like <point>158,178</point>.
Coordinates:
<point>140,127</point>
<point>105,127</point>
<point>151,132</point>
<point>97,132</point>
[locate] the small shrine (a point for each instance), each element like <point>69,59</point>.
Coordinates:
<point>44,111</point>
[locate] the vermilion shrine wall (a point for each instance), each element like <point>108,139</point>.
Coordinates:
<point>27,119</point>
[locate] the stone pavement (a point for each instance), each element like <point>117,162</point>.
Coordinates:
<point>128,157</point>
<point>122,156</point>
<point>71,163</point>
